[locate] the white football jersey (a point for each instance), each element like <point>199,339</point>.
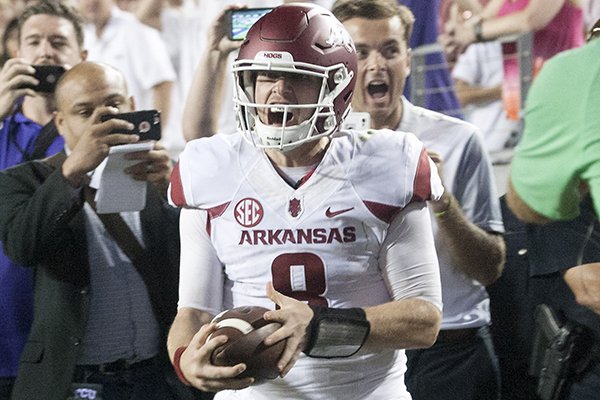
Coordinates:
<point>321,243</point>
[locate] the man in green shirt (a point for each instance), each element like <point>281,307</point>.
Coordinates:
<point>558,158</point>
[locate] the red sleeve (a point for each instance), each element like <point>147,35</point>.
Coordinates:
<point>176,195</point>
<point>422,182</point>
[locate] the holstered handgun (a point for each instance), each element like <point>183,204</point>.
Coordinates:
<point>553,349</point>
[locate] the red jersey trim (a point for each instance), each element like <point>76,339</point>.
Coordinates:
<point>215,212</point>
<point>422,183</point>
<point>177,196</point>
<point>384,212</point>
<point>305,178</point>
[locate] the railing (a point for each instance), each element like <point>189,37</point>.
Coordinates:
<point>420,68</point>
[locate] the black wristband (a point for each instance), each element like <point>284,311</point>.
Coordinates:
<point>336,332</point>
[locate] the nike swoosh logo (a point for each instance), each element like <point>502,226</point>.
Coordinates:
<point>331,214</point>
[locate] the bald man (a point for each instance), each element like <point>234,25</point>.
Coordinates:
<point>102,305</point>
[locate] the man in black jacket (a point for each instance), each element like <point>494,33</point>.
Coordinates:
<point>102,305</point>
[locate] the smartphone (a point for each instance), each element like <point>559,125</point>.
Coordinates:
<point>146,123</point>
<point>242,19</point>
<point>48,75</point>
<point>358,121</point>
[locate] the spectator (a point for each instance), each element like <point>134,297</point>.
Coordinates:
<point>440,94</point>
<point>117,38</point>
<point>209,77</point>
<point>294,169</point>
<point>547,19</point>
<point>478,76</point>
<point>9,10</point>
<point>49,33</point>
<point>184,28</point>
<point>10,41</point>
<point>467,221</point>
<point>207,115</point>
<point>102,304</point>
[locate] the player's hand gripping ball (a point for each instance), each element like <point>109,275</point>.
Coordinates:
<point>246,330</point>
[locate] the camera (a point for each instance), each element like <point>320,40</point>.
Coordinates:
<point>242,19</point>
<point>146,123</point>
<point>48,76</point>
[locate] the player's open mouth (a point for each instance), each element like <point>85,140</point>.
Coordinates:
<point>377,89</point>
<point>276,115</point>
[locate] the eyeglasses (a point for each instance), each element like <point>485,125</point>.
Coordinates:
<point>594,32</point>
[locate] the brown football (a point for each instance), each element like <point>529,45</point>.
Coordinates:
<point>246,330</point>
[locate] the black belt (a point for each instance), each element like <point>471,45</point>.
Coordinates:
<point>456,335</point>
<point>120,365</point>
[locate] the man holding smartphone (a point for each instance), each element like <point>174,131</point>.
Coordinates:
<point>105,284</point>
<point>49,34</point>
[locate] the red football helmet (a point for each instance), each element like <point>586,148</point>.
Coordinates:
<point>296,38</point>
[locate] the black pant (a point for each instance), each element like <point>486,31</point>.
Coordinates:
<point>587,385</point>
<point>6,385</point>
<point>455,370</point>
<point>149,382</point>
<point>145,382</point>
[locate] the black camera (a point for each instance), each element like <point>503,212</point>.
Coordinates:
<point>146,123</point>
<point>48,76</point>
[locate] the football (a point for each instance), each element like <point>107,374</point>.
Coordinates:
<point>246,330</point>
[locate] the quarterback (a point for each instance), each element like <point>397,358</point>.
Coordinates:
<point>328,229</point>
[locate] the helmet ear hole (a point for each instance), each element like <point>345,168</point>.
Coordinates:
<point>329,123</point>
<point>339,76</point>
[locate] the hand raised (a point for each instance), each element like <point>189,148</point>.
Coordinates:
<point>92,145</point>
<point>16,80</point>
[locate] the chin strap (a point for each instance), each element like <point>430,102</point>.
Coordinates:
<point>275,136</point>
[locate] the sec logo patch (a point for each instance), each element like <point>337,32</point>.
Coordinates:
<point>248,212</point>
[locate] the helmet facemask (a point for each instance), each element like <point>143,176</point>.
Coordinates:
<point>321,122</point>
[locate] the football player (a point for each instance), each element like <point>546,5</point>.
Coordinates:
<point>329,229</point>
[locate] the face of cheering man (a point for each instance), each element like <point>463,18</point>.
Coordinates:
<point>274,87</point>
<point>383,67</point>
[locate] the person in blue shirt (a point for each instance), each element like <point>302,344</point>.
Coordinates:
<point>49,33</point>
